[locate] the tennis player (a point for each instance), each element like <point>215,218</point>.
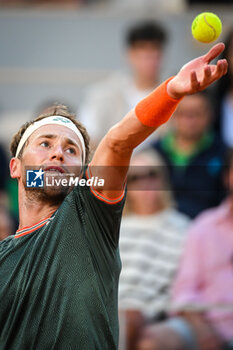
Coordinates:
<point>59,273</point>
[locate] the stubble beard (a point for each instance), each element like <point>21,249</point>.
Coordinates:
<point>53,195</point>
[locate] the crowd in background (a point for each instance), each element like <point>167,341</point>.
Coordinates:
<point>176,239</point>
<point>176,242</point>
<point>77,5</point>
<point>47,3</point>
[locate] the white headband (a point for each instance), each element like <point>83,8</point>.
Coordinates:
<point>58,120</point>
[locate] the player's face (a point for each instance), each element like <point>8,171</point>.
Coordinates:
<point>53,144</point>
<point>192,117</point>
<point>57,150</point>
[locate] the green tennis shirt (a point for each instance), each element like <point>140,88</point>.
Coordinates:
<point>59,278</point>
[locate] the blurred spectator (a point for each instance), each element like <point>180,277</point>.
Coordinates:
<point>202,292</point>
<point>211,2</point>
<point>8,193</point>
<point>9,3</point>
<point>6,223</point>
<point>194,155</point>
<point>151,241</point>
<point>4,175</point>
<point>4,168</point>
<point>109,100</point>
<point>224,96</point>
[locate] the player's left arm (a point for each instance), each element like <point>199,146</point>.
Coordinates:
<point>112,157</point>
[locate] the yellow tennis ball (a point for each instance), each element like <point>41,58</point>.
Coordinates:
<point>206,27</point>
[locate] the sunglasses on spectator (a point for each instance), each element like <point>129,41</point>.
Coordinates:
<point>152,174</point>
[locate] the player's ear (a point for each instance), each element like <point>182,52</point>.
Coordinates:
<point>15,168</point>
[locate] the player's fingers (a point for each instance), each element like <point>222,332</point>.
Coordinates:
<point>214,52</point>
<point>194,82</point>
<point>225,66</point>
<point>220,68</point>
<point>207,75</point>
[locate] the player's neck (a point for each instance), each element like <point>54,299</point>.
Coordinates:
<point>31,211</point>
<point>31,215</point>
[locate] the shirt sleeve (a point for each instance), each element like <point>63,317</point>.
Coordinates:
<point>102,215</point>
